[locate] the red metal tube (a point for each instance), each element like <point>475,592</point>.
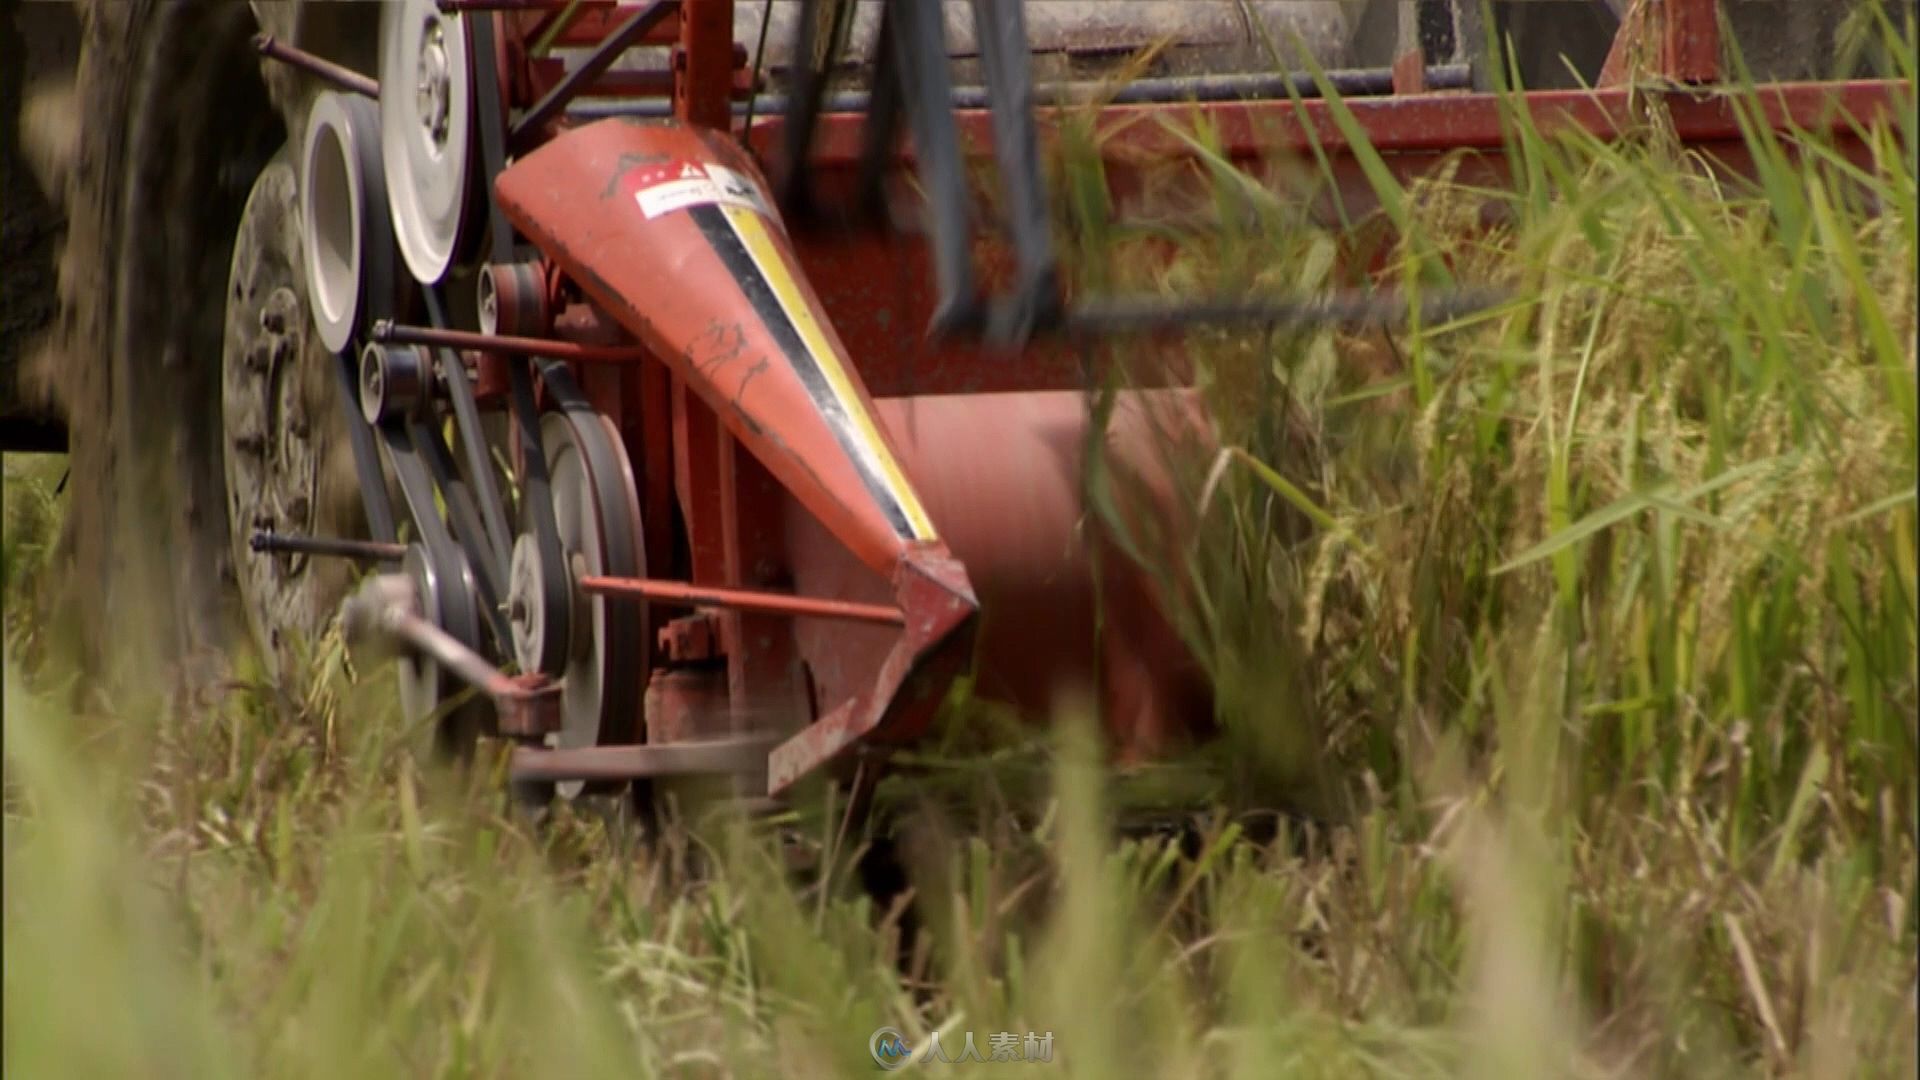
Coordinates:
<point>766,603</point>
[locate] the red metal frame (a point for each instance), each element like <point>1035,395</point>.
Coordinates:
<point>736,478</point>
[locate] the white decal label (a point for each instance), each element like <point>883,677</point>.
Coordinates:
<point>693,184</point>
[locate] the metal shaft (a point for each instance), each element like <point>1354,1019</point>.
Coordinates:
<point>345,78</point>
<point>339,546</point>
<point>1252,86</point>
<point>387,331</point>
<point>743,600</point>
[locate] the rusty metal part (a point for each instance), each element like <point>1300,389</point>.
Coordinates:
<point>325,70</point>
<point>388,606</point>
<point>911,680</point>
<point>746,756</point>
<point>513,299</point>
<point>1411,76</point>
<point>704,61</point>
<point>337,546</point>
<point>529,708</point>
<point>1690,43</point>
<point>766,603</point>
<point>688,704</point>
<point>691,639</point>
<point>387,331</point>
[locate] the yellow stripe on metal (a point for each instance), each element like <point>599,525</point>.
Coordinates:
<point>752,230</point>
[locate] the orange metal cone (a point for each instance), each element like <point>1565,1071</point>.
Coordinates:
<point>669,229</point>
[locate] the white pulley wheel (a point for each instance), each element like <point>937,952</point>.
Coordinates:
<point>339,189</point>
<point>426,129</point>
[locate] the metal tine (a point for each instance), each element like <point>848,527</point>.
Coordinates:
<point>1001,27</point>
<point>926,81</point>
<point>812,68</point>
<point>882,132</point>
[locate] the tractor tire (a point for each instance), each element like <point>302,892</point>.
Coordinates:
<point>176,122</point>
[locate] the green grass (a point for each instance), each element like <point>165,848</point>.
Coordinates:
<point>1578,641</point>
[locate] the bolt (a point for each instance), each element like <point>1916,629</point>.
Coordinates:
<point>432,84</point>
<point>272,319</point>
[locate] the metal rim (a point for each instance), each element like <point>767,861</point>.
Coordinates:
<point>596,510</point>
<point>426,131</point>
<point>281,427</point>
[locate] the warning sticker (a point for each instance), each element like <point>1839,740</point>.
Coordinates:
<point>685,184</point>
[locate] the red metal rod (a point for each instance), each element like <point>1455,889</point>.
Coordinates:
<point>457,6</point>
<point>345,78</point>
<point>766,603</point>
<point>386,331</point>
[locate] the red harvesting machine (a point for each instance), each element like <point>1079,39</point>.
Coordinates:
<point>708,431</point>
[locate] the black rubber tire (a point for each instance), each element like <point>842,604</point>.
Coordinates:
<point>177,116</point>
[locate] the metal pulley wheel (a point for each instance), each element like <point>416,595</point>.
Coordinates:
<point>427,124</point>
<point>602,641</point>
<point>445,593</point>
